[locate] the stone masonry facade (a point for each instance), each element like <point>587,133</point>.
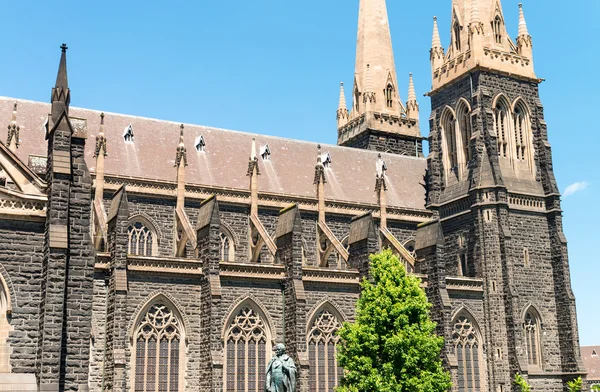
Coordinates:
<point>120,272</point>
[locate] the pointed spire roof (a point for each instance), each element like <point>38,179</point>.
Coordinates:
<point>62,80</point>
<point>523,32</point>
<point>475,18</point>
<point>412,95</point>
<point>374,47</point>
<point>342,103</point>
<point>436,42</point>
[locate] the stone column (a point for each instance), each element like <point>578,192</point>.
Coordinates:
<point>211,347</point>
<point>288,237</point>
<point>115,377</point>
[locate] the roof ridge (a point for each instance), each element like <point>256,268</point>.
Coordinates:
<point>208,127</point>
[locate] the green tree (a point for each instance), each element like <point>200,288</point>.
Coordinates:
<point>392,346</point>
<point>595,387</point>
<point>521,383</point>
<point>575,385</point>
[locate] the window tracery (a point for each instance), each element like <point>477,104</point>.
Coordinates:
<point>322,338</point>
<point>246,351</point>
<point>469,355</point>
<point>501,126</point>
<point>532,339</point>
<point>158,351</point>
<point>141,240</point>
<point>464,120</point>
<point>521,126</point>
<point>497,27</point>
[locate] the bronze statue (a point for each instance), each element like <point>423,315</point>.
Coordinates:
<point>281,372</point>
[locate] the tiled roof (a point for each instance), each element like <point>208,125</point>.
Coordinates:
<point>591,361</point>
<point>290,170</point>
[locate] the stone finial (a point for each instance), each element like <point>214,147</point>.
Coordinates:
<point>412,106</point>
<point>181,151</point>
<point>380,169</point>
<point>523,32</point>
<point>342,102</point>
<point>412,96</point>
<point>100,139</point>
<point>253,161</point>
<point>12,140</point>
<point>436,42</point>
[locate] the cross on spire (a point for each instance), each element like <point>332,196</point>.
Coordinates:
<point>64,47</point>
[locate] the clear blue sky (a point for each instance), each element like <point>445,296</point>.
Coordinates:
<point>274,67</point>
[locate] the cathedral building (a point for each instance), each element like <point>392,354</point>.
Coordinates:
<point>145,255</point>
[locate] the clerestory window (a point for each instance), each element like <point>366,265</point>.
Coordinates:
<point>141,240</point>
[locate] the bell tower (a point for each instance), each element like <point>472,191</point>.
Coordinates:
<point>498,219</point>
<point>378,119</point>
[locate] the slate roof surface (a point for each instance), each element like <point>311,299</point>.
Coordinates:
<point>224,163</point>
<point>591,361</point>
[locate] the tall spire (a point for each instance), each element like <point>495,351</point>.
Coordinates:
<point>62,80</point>
<point>522,24</point>
<point>374,54</point>
<point>13,131</point>
<point>61,96</point>
<point>436,42</point>
<point>412,106</point>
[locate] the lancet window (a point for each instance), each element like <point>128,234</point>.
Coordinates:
<point>469,355</point>
<point>322,341</point>
<point>456,34</point>
<point>451,150</point>
<point>497,27</point>
<point>227,248</point>
<point>389,96</point>
<point>464,124</point>
<point>141,239</point>
<point>532,338</point>
<point>501,126</point>
<point>247,349</point>
<point>522,134</point>
<point>158,349</point>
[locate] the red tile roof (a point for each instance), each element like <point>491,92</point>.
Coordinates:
<point>290,171</point>
<point>591,361</point>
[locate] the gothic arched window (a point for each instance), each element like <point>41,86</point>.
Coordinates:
<point>322,340</point>
<point>389,96</point>
<point>502,129</point>
<point>227,248</point>
<point>451,149</point>
<point>497,27</point>
<point>464,125</point>
<point>158,348</point>
<point>532,339</point>
<point>247,349</point>
<point>141,239</point>
<point>456,34</point>
<point>469,355</point>
<point>522,134</point>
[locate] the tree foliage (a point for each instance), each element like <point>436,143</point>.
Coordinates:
<point>392,346</point>
<point>575,385</point>
<point>595,387</point>
<point>521,383</point>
